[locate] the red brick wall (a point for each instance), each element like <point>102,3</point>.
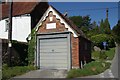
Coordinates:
<point>60,27</point>
<point>75,52</point>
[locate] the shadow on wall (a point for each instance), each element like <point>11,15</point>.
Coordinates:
<point>85,51</point>
<point>19,53</point>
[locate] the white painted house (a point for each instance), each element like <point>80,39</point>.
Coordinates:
<point>21,28</point>
<point>23,20</point>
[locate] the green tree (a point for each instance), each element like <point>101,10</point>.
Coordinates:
<point>77,20</point>
<point>82,22</point>
<point>116,32</point>
<point>102,27</point>
<point>107,27</point>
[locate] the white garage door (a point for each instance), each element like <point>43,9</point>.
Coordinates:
<point>54,53</point>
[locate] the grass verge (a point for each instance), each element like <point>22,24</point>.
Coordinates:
<point>91,68</point>
<point>9,72</point>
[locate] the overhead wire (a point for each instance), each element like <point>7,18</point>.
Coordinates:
<point>89,9</point>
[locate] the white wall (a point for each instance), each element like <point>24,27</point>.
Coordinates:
<point>21,28</point>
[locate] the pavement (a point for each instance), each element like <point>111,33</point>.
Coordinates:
<point>44,74</point>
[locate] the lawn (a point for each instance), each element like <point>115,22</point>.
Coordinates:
<point>9,72</point>
<point>95,67</point>
<point>91,68</point>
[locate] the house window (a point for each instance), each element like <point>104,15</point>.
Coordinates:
<point>6,25</point>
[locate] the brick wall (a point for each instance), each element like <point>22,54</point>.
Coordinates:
<point>60,27</point>
<point>75,52</point>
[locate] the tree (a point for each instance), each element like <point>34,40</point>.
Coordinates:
<point>86,21</point>
<point>102,27</point>
<point>82,22</point>
<point>116,32</point>
<point>93,25</point>
<point>77,20</point>
<point>107,26</point>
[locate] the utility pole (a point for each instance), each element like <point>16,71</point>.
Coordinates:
<point>10,35</point>
<point>107,13</point>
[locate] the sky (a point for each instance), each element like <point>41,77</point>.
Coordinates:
<point>96,10</point>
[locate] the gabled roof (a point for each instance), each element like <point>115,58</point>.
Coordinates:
<point>19,8</point>
<point>72,25</point>
<point>75,30</point>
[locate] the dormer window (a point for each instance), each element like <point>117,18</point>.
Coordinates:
<point>6,25</point>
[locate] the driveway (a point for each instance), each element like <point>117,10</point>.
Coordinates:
<point>44,74</point>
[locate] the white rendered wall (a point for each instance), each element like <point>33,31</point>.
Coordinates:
<point>21,28</point>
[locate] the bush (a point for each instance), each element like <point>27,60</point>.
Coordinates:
<point>99,38</point>
<point>8,72</point>
<point>102,55</point>
<point>18,55</point>
<point>91,68</point>
<point>108,54</point>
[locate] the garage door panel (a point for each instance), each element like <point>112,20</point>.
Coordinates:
<point>54,53</point>
<point>52,47</point>
<point>55,61</point>
<point>52,50</point>
<point>53,40</point>
<point>53,57</point>
<point>53,43</point>
<point>55,65</point>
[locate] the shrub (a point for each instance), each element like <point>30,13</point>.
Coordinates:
<point>102,56</point>
<point>108,54</point>
<point>19,53</point>
<point>8,72</point>
<point>91,68</point>
<point>99,38</point>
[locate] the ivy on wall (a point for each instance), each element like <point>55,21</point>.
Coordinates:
<point>31,47</point>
